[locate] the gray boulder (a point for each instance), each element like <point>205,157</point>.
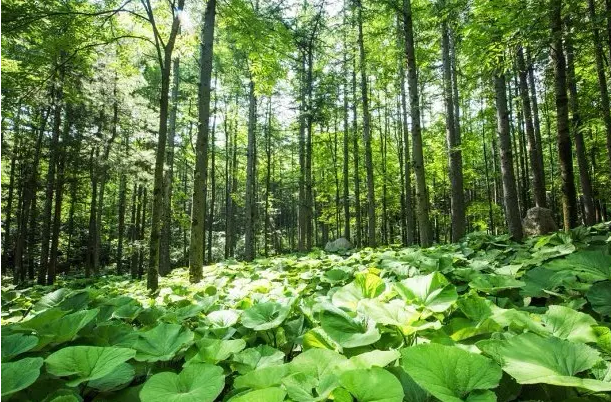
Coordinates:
<point>539,221</point>
<point>340,244</point>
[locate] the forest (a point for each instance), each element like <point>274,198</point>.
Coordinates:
<point>280,200</point>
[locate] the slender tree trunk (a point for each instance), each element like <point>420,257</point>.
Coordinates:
<point>59,191</point>
<point>422,201</point>
<point>371,210</point>
<point>580,148</point>
<point>152,276</point>
<point>212,178</point>
<point>268,154</point>
<point>165,262</point>
<point>135,229</point>
<point>249,227</point>
<point>600,71</point>
<point>198,209</point>
<point>228,179</point>
<point>50,187</point>
<point>309,198</point>
<point>122,207</point>
<point>457,199</point>
<point>346,160</point>
<point>565,153</point>
<point>510,194</point>
<point>355,145</point>
<point>6,244</point>
<point>536,163</point>
<point>141,256</point>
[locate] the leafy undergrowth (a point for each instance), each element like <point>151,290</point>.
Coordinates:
<point>485,320</point>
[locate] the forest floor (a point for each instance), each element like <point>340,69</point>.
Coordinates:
<point>487,319</point>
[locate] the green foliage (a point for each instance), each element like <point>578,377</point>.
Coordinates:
<point>397,324</point>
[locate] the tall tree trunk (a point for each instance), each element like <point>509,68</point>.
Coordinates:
<point>565,153</point>
<point>165,262</point>
<point>457,198</point>
<point>198,209</point>
<point>59,191</point>
<point>50,186</point>
<point>346,160</point>
<point>6,244</point>
<point>141,256</point>
<point>600,71</point>
<point>152,276</point>
<point>580,148</point>
<point>121,212</point>
<point>356,155</point>
<point>228,182</point>
<point>268,154</point>
<point>212,177</point>
<point>135,229</point>
<point>309,198</point>
<point>371,208</point>
<point>407,182</point>
<point>93,252</point>
<point>422,200</point>
<point>510,193</point>
<point>249,227</point>
<point>536,163</point>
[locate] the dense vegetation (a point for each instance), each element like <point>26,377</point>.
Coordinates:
<point>482,320</point>
<point>141,136</point>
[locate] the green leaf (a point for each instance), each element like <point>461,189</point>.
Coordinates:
<point>394,312</point>
<point>257,357</point>
<point>196,383</point>
<point>51,300</point>
<point>566,323</point>
<point>347,331</point>
<point>162,342</point>
<point>594,263</point>
<point>215,350</point>
<point>223,318</point>
<point>52,328</point>
<point>432,292</point>
<point>86,363</point>
<point>599,297</point>
<point>532,359</point>
<point>16,344</point>
<point>122,375</point>
<point>264,377</point>
<point>273,394</point>
<point>494,283</point>
<point>372,385</point>
<point>265,316</point>
<point>20,374</point>
<point>448,372</point>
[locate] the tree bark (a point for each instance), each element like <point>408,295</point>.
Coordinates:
<point>371,210</point>
<point>198,209</point>
<point>600,71</point>
<point>212,178</point>
<point>249,227</point>
<point>165,263</point>
<point>457,198</point>
<point>565,153</point>
<point>422,200</point>
<point>152,277</point>
<point>510,194</point>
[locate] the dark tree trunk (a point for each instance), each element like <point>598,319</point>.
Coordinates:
<point>356,155</point>
<point>510,194</point>
<point>165,242</point>
<point>422,201</point>
<point>249,227</point>
<point>198,209</point>
<point>580,148</point>
<point>565,153</point>
<point>135,229</point>
<point>212,178</point>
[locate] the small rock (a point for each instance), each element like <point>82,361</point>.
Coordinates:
<point>340,244</point>
<point>539,221</point>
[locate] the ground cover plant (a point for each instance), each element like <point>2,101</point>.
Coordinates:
<point>482,320</point>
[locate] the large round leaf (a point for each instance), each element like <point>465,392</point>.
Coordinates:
<point>20,374</point>
<point>215,350</point>
<point>372,385</point>
<point>450,373</point>
<point>16,344</point>
<point>599,297</point>
<point>493,284</point>
<point>266,315</point>
<point>162,342</point>
<point>432,292</point>
<point>532,359</point>
<point>273,394</point>
<point>347,331</point>
<point>566,323</point>
<point>196,383</point>
<point>86,363</point>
